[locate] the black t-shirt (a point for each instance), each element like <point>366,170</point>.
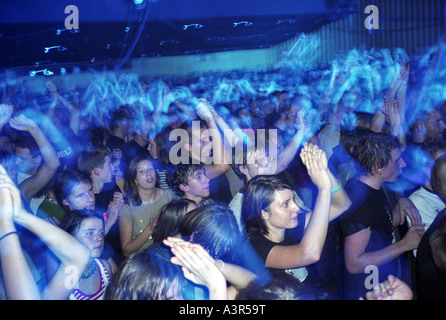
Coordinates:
<point>370,209</point>
<point>263,246</point>
<point>431,285</point>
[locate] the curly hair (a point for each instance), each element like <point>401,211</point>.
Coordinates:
<point>182,174</point>
<point>373,150</point>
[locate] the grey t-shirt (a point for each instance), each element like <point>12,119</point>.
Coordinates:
<point>141,215</point>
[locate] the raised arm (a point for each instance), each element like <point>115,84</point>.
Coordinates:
<point>17,276</point>
<point>309,250</point>
<point>218,165</point>
<point>51,162</point>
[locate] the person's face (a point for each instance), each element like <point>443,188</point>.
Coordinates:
<point>198,184</point>
<point>435,125</point>
<point>81,197</point>
<point>282,212</point>
<point>145,175</point>
<point>205,143</point>
<point>91,233</point>
<point>24,160</point>
<point>393,170</point>
<point>151,147</point>
<point>105,174</point>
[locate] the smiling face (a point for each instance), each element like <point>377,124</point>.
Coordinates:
<point>145,175</point>
<point>91,233</point>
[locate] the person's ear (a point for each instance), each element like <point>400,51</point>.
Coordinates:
<point>183,187</point>
<point>95,171</point>
<point>38,159</point>
<point>65,203</point>
<point>265,215</point>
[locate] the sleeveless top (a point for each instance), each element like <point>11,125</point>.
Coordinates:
<point>104,279</point>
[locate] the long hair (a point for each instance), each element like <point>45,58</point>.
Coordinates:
<point>170,217</point>
<point>64,183</point>
<point>146,276</point>
<point>215,228</point>
<point>130,187</point>
<point>259,194</point>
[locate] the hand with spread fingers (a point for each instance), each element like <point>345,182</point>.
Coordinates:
<point>198,266</point>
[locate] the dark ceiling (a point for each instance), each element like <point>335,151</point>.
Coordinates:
<point>112,32</point>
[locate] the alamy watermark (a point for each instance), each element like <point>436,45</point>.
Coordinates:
<point>72,21</point>
<point>372,20</point>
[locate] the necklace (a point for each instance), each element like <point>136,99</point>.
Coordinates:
<point>92,271</point>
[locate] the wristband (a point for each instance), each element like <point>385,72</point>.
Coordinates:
<point>13,232</point>
<point>338,188</point>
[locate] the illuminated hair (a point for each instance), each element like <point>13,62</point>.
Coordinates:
<point>182,174</point>
<point>373,150</point>
<point>170,217</point>
<point>88,160</point>
<point>258,196</point>
<point>146,276</point>
<point>65,181</point>
<point>73,219</point>
<point>215,228</point>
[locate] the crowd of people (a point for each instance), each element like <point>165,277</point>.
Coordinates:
<point>323,182</point>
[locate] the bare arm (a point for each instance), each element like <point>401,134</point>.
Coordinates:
<point>308,251</point>
<point>128,244</point>
<point>32,185</point>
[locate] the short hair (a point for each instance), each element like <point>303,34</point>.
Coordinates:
<point>373,150</point>
<point>146,276</point>
<point>181,175</point>
<point>439,177</point>
<point>25,140</point>
<point>170,217</point>
<point>259,194</point>
<point>65,181</point>
<point>215,228</point>
<point>88,160</point>
<point>437,243</point>
<point>73,219</point>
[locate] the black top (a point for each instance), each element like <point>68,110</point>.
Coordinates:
<point>370,209</point>
<point>431,285</point>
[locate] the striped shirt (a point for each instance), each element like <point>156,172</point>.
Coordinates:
<point>99,294</point>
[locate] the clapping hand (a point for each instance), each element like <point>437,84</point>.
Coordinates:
<point>317,165</point>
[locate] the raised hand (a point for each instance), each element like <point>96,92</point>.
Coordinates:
<point>198,266</point>
<point>5,113</point>
<point>23,123</point>
<point>316,163</point>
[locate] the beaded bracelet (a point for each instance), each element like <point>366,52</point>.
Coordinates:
<point>8,234</point>
<point>338,188</point>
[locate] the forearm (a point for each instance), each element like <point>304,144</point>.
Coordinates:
<point>317,226</point>
<point>237,276</point>
<point>340,201</point>
<point>67,249</point>
<point>49,155</point>
<point>132,245</point>
<point>17,277</point>
<point>375,258</point>
<point>289,152</point>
